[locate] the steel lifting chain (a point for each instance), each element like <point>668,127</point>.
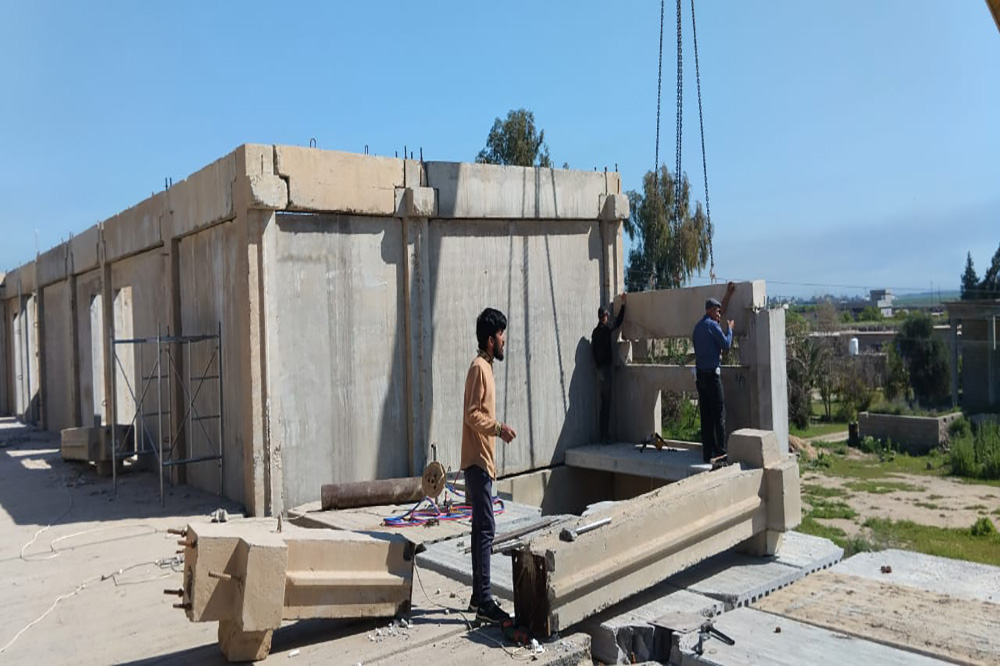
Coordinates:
<point>659,84</point>
<point>704,159</point>
<point>680,115</point>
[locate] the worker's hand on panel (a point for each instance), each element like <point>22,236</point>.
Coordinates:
<point>730,323</point>
<point>623,297</point>
<point>507,433</point>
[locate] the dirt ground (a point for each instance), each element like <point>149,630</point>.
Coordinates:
<point>83,573</point>
<point>936,501</point>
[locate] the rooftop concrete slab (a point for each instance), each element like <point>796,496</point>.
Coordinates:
<point>910,618</point>
<point>326,180</point>
<point>84,250</point>
<point>762,638</point>
<point>669,464</point>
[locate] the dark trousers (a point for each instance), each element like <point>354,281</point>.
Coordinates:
<point>604,381</point>
<point>479,493</point>
<point>712,405</point>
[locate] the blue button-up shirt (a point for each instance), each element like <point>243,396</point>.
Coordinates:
<point>709,343</point>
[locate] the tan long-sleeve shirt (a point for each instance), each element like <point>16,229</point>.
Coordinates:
<point>479,424</point>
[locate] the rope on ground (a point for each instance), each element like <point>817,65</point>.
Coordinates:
<point>62,515</point>
<point>167,562</point>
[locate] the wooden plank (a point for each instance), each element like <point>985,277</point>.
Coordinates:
<point>929,623</point>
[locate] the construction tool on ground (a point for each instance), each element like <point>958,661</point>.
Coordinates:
<point>568,534</point>
<point>656,439</point>
<point>707,631</point>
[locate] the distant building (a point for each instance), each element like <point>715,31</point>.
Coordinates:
<point>977,347</point>
<point>881,299</point>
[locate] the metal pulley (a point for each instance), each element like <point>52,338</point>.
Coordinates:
<point>433,479</point>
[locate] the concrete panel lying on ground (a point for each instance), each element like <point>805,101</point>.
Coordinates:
<point>249,578</point>
<point>913,619</point>
<point>942,575</point>
<point>561,579</point>
<point>762,638</point>
<point>484,649</point>
<point>672,313</point>
<point>639,627</point>
<point>369,519</point>
<point>452,559</point>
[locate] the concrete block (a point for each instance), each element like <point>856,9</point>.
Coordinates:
<point>784,501</point>
<point>84,250</point>
<point>754,448</point>
<point>238,645</point>
<point>267,192</point>
<point>672,313</point>
<point>75,443</point>
<point>614,207</point>
<point>328,181</point>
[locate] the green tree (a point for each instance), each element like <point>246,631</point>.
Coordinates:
<point>990,286</point>
<point>670,242</point>
<point>870,313</point>
<point>798,369</point>
<point>897,380</point>
<point>515,141</point>
<point>826,316</point>
<point>970,281</point>
<point>926,360</point>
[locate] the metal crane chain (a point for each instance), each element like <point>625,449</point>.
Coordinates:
<point>680,114</point>
<point>704,159</point>
<point>659,83</point>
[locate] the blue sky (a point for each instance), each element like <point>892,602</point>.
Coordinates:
<point>851,143</point>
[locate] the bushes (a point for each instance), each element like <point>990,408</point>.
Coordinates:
<point>976,456</point>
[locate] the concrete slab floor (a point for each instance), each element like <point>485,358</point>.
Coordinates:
<point>109,559</point>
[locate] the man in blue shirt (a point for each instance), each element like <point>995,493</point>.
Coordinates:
<point>709,343</point>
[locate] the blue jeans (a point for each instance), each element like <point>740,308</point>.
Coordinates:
<point>479,493</point>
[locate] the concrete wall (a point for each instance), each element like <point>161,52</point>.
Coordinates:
<point>916,435</point>
<point>346,288</point>
<point>335,350</point>
<point>60,393</point>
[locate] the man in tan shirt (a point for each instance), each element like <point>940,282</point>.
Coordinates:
<point>479,429</point>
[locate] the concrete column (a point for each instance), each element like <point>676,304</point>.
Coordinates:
<point>74,348</point>
<point>107,314</point>
<point>43,420</point>
<point>175,399</point>
<point>262,477</point>
<point>954,363</point>
<point>768,373</point>
<point>5,365</point>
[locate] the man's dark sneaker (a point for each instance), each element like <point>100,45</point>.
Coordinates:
<point>473,605</point>
<point>491,613</point>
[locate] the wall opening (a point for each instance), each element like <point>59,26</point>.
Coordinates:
<point>97,336</point>
<point>125,377</point>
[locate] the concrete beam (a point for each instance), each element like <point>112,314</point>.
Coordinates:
<point>84,250</point>
<point>672,313</point>
<point>488,191</point>
<point>50,266</point>
<point>202,199</point>
<point>559,582</point>
<point>249,577</point>
<point>329,181</point>
<point>135,230</point>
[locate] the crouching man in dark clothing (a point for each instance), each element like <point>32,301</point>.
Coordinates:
<point>600,345</point>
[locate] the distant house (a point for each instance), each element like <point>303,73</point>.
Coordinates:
<point>977,347</point>
<point>881,299</point>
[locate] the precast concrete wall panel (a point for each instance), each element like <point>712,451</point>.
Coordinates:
<point>88,287</point>
<point>545,277</point>
<point>335,350</point>
<point>213,288</point>
<point>57,349</point>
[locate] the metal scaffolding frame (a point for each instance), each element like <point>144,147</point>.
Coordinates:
<point>165,372</point>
